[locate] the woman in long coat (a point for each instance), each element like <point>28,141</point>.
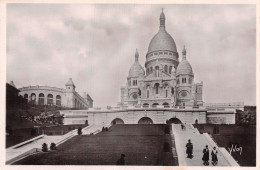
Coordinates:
<point>205,157</point>
<point>189,148</point>
<point>214,156</point>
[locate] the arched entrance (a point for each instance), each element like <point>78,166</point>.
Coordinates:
<point>166,105</point>
<point>155,105</point>
<point>145,105</point>
<point>145,120</point>
<point>175,121</point>
<point>117,121</point>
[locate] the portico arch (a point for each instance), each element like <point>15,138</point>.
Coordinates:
<point>117,121</point>
<point>33,98</point>
<point>145,120</point>
<point>166,105</point>
<point>50,99</point>
<point>155,105</point>
<point>41,99</point>
<point>175,120</point>
<point>145,105</point>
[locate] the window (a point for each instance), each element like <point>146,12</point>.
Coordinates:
<point>155,105</point>
<point>166,105</point>
<point>160,53</point>
<point>190,80</point>
<point>166,69</point>
<point>157,71</point>
<point>135,96</point>
<point>58,100</point>
<point>151,69</point>
<point>170,69</point>
<point>50,99</point>
<point>145,105</point>
<point>178,81</point>
<point>155,53</point>
<point>183,80</point>
<point>147,93</point>
<point>157,88</point>
<point>41,99</point>
<point>170,53</point>
<point>26,96</point>
<point>166,93</point>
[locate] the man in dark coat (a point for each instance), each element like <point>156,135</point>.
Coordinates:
<point>205,157</point>
<point>121,161</point>
<point>189,148</point>
<point>214,156</point>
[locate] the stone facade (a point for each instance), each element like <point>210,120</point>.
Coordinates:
<point>159,83</point>
<point>68,97</point>
<point>133,116</point>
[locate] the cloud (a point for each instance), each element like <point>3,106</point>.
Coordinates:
<point>95,45</point>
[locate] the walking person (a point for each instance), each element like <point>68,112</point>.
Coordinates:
<point>121,161</point>
<point>214,156</point>
<point>189,149</point>
<point>205,157</point>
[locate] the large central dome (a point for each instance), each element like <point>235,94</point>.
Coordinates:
<point>162,40</point>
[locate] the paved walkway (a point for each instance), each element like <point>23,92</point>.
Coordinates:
<point>199,142</point>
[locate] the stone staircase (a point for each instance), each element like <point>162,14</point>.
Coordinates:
<point>199,142</point>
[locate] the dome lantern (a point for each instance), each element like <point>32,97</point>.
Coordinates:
<point>136,55</point>
<point>184,53</point>
<point>162,19</point>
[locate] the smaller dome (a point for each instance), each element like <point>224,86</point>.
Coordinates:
<point>184,68</point>
<point>136,69</point>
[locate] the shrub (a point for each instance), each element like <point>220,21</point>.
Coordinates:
<point>53,146</point>
<point>44,147</point>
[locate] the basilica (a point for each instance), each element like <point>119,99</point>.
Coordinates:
<point>166,80</point>
<point>163,90</point>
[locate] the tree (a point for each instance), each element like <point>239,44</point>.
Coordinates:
<point>53,146</point>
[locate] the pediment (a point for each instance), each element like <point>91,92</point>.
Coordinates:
<point>152,75</point>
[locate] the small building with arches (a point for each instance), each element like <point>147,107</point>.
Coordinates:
<point>68,97</point>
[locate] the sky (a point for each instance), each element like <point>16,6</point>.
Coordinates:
<point>94,44</point>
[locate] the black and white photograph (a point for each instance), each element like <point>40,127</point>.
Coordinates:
<point>130,84</point>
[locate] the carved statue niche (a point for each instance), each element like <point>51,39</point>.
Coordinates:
<point>139,92</point>
<point>172,91</point>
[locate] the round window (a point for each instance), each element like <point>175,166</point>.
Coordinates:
<point>134,96</point>
<point>183,93</point>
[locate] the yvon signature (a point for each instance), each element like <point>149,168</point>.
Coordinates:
<point>234,148</point>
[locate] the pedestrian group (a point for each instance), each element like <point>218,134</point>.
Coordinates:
<point>205,158</point>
